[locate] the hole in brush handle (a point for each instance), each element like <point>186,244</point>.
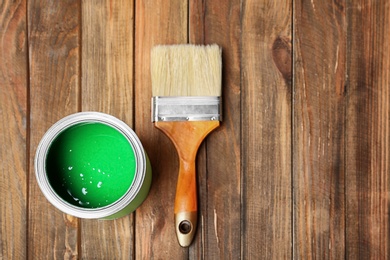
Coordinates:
<point>185,227</point>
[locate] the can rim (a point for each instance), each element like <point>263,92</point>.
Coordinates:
<point>91,117</point>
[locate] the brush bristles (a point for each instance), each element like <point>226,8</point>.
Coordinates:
<point>186,70</point>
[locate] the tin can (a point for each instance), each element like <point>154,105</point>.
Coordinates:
<point>92,165</point>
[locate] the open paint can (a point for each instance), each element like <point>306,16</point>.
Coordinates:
<point>92,165</point>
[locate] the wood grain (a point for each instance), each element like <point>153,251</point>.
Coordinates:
<point>266,70</point>
<point>107,86</point>
<point>319,128</point>
<point>219,158</point>
<point>368,129</point>
<point>298,169</point>
<point>54,60</point>
<point>187,137</point>
<point>157,22</point>
<point>13,129</point>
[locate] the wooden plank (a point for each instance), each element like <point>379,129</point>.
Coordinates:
<point>368,131</point>
<point>157,22</point>
<point>13,129</point>
<point>196,16</point>
<point>107,86</point>
<point>319,129</point>
<point>53,33</point>
<point>219,158</point>
<point>266,74</point>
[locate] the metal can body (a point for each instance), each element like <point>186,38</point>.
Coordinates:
<point>132,198</point>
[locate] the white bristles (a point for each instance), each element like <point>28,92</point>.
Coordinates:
<point>186,70</point>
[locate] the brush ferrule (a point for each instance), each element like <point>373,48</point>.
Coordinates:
<point>186,108</point>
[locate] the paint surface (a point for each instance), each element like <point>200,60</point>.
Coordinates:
<point>90,165</point>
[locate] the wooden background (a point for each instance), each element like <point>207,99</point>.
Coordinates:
<point>299,168</point>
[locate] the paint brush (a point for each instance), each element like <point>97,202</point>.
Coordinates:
<point>186,106</point>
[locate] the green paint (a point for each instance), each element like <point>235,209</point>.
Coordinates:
<point>90,165</point>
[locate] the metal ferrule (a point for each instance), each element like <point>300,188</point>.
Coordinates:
<point>186,108</point>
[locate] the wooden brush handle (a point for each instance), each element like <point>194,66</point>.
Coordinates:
<point>186,136</point>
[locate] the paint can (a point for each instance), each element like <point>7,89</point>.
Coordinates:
<point>92,165</point>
